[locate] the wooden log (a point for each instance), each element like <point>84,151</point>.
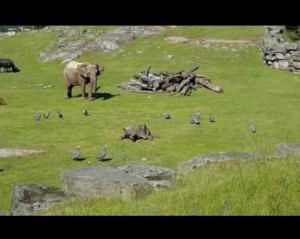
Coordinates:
<point>206,82</point>
<point>143,78</point>
<point>182,85</point>
<point>187,73</point>
<point>171,88</point>
<point>186,89</point>
<point>144,86</point>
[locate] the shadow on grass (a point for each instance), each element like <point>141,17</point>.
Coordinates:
<point>81,159</point>
<point>105,159</point>
<point>103,96</point>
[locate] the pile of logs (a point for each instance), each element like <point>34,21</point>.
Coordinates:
<point>182,82</point>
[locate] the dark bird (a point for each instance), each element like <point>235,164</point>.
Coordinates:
<point>60,115</point>
<point>76,154</point>
<point>37,116</point>
<point>252,127</point>
<point>212,118</point>
<point>47,114</point>
<point>85,112</point>
<point>166,115</point>
<point>101,156</point>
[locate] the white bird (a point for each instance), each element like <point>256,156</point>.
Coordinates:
<point>101,156</point>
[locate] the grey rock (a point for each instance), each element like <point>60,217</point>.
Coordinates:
<point>286,149</point>
<point>105,182</point>
<point>283,64</point>
<point>296,64</point>
<point>69,46</point>
<point>198,161</point>
<point>158,177</point>
<point>279,56</point>
<point>276,64</point>
<point>291,46</point>
<point>29,198</point>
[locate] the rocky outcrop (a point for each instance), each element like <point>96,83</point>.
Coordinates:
<point>29,198</point>
<point>158,177</point>
<point>278,53</point>
<point>105,182</point>
<point>72,43</point>
<point>5,152</point>
<point>198,161</point>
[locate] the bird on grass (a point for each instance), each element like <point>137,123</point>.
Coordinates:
<point>46,114</point>
<point>76,154</point>
<point>166,115</point>
<point>101,156</point>
<point>37,116</point>
<point>60,115</point>
<point>252,127</point>
<point>212,118</point>
<point>85,112</point>
<point>195,119</point>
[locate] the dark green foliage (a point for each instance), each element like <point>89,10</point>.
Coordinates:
<point>292,33</point>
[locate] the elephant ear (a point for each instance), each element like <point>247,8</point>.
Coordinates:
<point>100,69</point>
<point>82,68</point>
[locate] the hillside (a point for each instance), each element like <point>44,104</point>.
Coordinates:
<point>230,56</point>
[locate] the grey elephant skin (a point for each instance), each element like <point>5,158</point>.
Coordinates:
<point>135,132</point>
<point>83,75</point>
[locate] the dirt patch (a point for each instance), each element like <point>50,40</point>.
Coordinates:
<point>17,152</point>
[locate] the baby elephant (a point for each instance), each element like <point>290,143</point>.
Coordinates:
<point>135,132</point>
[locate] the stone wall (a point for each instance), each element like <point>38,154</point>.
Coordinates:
<point>278,53</point>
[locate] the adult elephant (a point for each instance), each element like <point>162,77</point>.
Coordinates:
<point>83,75</point>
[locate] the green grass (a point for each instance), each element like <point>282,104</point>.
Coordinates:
<point>232,188</point>
<point>252,92</point>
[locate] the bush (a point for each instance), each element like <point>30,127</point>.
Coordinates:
<point>292,33</point>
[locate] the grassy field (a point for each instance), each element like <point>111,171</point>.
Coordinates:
<point>252,91</point>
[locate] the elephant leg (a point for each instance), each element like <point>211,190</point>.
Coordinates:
<point>90,94</point>
<point>69,90</point>
<point>83,86</point>
<point>94,90</point>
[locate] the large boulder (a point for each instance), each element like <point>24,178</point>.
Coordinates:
<point>105,182</point>
<point>28,198</point>
<point>158,177</point>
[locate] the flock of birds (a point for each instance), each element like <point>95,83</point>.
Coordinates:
<point>101,156</point>
<point>38,115</point>
<point>195,119</point>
